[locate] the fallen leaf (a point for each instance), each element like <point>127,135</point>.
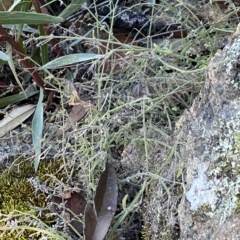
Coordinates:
<point>74,100</point>
<point>77,205</point>
<point>119,58</point>
<point>105,205</point>
<point>90,219</point>
<point>15,118</point>
<point>72,205</point>
<point>70,92</point>
<point>76,114</point>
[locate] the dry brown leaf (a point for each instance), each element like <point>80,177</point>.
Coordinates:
<point>76,114</point>
<point>119,58</point>
<point>72,204</point>
<point>75,100</point>
<point>90,219</point>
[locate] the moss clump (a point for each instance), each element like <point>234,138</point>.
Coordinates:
<point>23,190</point>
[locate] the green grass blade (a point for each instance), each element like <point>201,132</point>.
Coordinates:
<point>25,28</point>
<point>44,47</point>
<point>24,8</point>
<point>16,98</point>
<point>71,59</point>
<point>12,66</point>
<point>27,18</point>
<point>37,128</point>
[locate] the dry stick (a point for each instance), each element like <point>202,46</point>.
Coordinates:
<point>37,6</point>
<point>23,59</point>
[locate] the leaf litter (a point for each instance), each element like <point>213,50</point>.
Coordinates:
<point>70,205</point>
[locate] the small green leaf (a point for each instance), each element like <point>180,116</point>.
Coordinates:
<point>27,18</point>
<point>73,7</point>
<point>12,66</point>
<point>71,59</point>
<point>37,128</point>
<point>124,202</point>
<point>15,98</point>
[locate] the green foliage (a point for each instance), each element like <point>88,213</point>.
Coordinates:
<point>71,59</point>
<point>37,128</point>
<point>16,98</point>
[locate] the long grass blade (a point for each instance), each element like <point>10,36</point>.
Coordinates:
<point>37,128</point>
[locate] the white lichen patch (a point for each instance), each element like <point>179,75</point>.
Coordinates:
<point>224,174</point>
<point>201,191</point>
<point>232,63</point>
<point>217,185</point>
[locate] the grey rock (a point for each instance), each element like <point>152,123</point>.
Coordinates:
<point>197,196</point>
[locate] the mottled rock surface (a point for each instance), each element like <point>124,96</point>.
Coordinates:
<point>197,195</point>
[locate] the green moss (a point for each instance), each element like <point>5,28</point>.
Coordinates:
<point>18,194</point>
